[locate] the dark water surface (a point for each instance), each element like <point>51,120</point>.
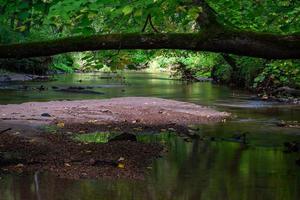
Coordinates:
<point>191,170</point>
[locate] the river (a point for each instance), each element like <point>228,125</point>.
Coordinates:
<point>205,170</point>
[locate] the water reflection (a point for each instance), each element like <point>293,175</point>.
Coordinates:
<point>196,170</point>
<point>190,170</point>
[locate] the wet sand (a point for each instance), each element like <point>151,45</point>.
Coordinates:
<point>27,147</point>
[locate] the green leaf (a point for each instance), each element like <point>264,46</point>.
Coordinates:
<point>127,10</point>
<point>138,13</point>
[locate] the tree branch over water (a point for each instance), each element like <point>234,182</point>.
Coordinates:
<point>214,40</point>
<point>213,36</point>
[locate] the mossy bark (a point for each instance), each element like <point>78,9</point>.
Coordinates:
<point>213,40</point>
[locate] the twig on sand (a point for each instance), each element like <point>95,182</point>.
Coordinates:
<point>5,130</point>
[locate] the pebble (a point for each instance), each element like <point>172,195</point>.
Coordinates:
<point>172,129</point>
<point>67,165</point>
<point>45,115</point>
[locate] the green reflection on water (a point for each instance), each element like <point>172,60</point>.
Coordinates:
<point>190,170</point>
<point>104,137</point>
<point>94,137</point>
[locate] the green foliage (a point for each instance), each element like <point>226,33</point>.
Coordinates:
<point>279,73</point>
<point>222,73</point>
<point>180,62</point>
<point>247,70</point>
<point>27,20</point>
<point>63,63</point>
<point>260,15</point>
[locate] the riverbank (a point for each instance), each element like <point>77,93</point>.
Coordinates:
<point>27,146</point>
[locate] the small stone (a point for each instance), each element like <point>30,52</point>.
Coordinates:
<point>88,151</point>
<point>281,123</point>
<point>172,129</point>
<point>33,140</point>
<point>45,115</point>
<point>84,174</point>
<point>264,97</point>
<point>67,165</point>
<point>20,165</point>
<point>105,110</point>
<point>121,159</point>
<point>193,127</point>
<point>93,121</point>
<point>192,132</point>
<point>92,161</point>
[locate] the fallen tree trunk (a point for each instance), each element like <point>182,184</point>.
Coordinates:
<point>253,44</point>
<point>287,91</point>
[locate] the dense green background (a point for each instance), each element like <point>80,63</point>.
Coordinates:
<point>35,20</point>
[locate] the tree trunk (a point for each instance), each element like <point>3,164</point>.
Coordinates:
<point>226,41</point>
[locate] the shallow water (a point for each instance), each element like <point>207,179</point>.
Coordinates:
<point>218,169</point>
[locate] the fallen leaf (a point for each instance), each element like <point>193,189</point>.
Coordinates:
<point>61,124</point>
<point>121,165</point>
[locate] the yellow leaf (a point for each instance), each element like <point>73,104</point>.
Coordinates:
<point>61,124</point>
<point>121,165</point>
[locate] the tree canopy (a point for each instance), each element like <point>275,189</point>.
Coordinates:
<point>266,29</point>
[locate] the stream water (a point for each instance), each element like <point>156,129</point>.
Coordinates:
<point>209,170</point>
